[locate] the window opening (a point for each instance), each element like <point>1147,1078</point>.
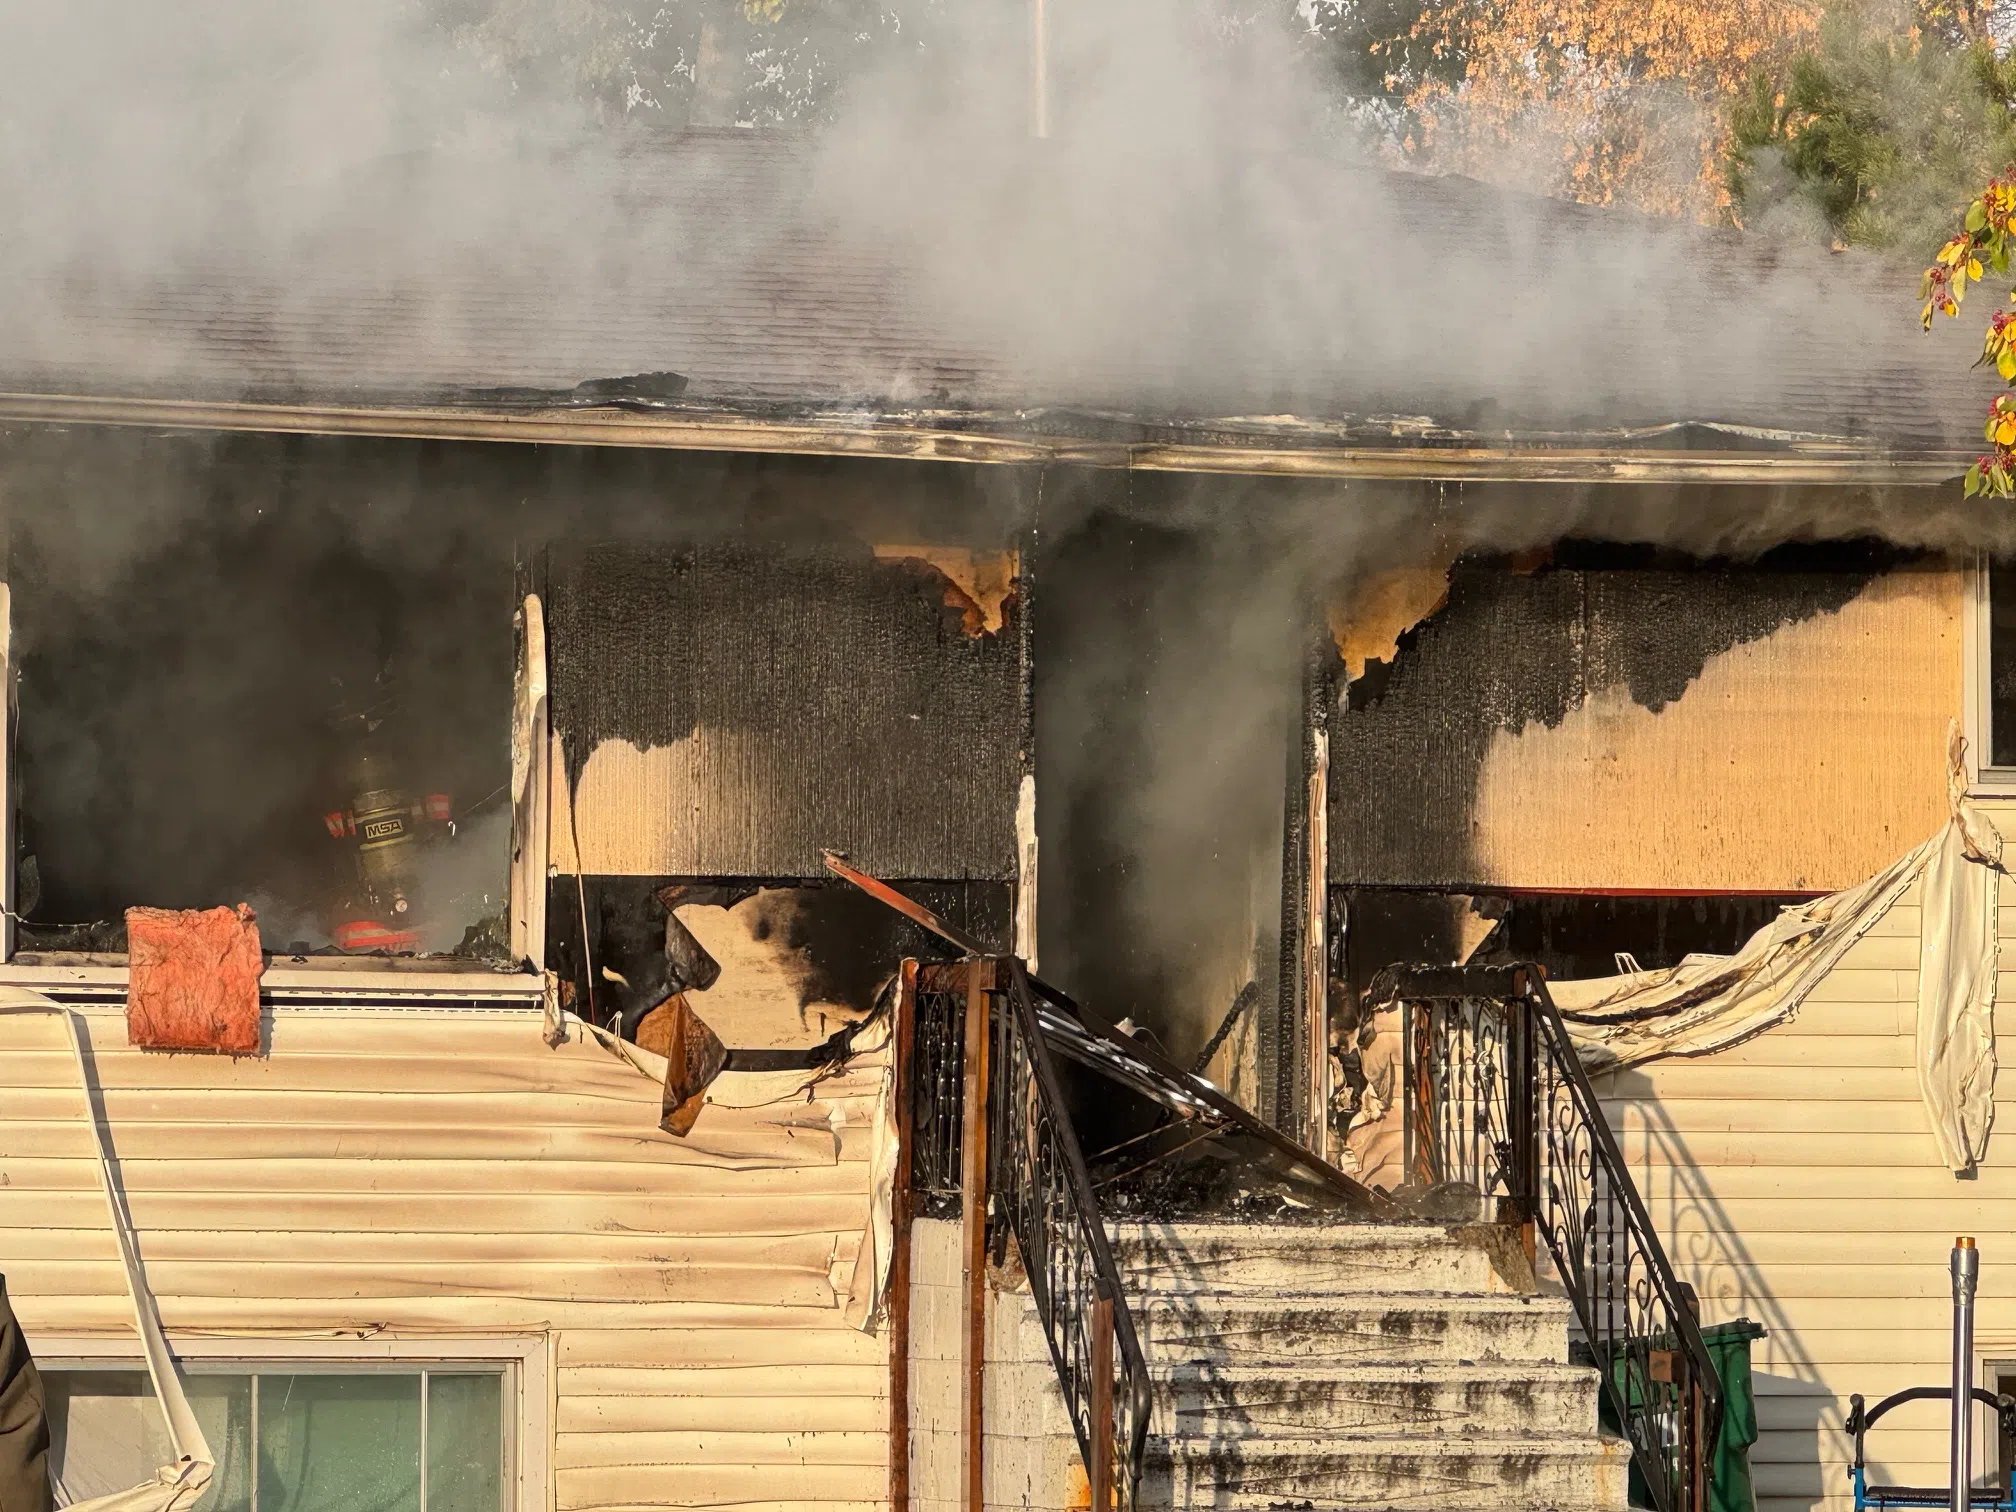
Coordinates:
<point>1999,739</point>
<point>281,704</point>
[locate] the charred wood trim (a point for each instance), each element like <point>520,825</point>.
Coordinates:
<point>1025,920</point>
<point>903,1033</point>
<point>912,910</point>
<point>1820,462</point>
<point>1318,698</point>
<point>973,1182</point>
<point>1246,998</point>
<point>531,789</point>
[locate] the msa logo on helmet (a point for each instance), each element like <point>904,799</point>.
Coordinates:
<point>382,829</point>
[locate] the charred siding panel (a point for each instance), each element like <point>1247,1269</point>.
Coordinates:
<point>441,1174</point>
<point>729,711</point>
<point>1718,729</point>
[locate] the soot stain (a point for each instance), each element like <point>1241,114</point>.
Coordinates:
<point>1511,649</point>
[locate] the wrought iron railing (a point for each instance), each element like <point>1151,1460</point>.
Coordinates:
<point>1498,1105</point>
<point>1040,1178</point>
<point>1039,1187</point>
<point>1034,1180</point>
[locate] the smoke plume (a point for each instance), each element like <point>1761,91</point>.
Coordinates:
<point>209,193</point>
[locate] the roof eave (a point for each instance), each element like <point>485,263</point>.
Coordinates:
<point>861,433</point>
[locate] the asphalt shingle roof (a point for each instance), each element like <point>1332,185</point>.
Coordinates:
<point>1337,296</point>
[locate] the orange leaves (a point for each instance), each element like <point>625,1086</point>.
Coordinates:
<point>1607,99</point>
<point>2000,431</point>
<point>1983,246</point>
<point>1998,349</point>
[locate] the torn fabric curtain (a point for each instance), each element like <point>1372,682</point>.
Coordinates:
<point>1710,1003</point>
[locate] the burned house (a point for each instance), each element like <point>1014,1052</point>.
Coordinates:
<point>525,671</point>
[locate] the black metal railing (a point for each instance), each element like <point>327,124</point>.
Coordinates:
<point>1498,1105</point>
<point>937,1090</point>
<point>1040,1179</point>
<point>1039,1187</point>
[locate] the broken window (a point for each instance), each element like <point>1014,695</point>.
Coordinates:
<point>264,695</point>
<point>290,1438</point>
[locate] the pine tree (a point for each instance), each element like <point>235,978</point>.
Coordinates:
<point>1879,133</point>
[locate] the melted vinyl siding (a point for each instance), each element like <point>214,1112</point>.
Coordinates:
<point>432,1175</point>
<point>1795,1182</point>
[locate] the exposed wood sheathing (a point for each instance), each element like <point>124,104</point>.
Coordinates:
<point>732,712</point>
<point>977,583</point>
<point>1653,730</point>
<point>1367,625</point>
<point>1796,1182</point>
<point>436,1174</point>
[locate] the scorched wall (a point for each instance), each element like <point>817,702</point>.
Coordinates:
<point>1658,726</point>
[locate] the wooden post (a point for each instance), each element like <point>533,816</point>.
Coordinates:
<point>973,1224</point>
<point>1315,946</point>
<point>902,1042</point>
<point>1102,1405</point>
<point>1694,1403</point>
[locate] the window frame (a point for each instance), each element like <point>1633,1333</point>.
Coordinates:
<point>524,1360</point>
<point>1977,702</point>
<point>333,982</point>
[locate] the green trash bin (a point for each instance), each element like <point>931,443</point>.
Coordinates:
<point>1729,1469</point>
<point>1729,1347</point>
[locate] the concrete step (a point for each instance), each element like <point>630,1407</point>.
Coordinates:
<point>1336,1260</point>
<point>1361,1401</point>
<point>1296,1334</point>
<point>1556,1472</point>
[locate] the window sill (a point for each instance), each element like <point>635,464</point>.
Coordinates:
<point>1992,782</point>
<point>357,982</point>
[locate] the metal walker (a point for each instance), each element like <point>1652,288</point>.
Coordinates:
<point>1959,1494</point>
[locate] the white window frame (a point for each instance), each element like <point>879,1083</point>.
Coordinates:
<point>525,1360</point>
<point>315,981</point>
<point>1977,706</point>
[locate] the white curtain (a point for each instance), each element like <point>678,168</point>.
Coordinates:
<point>1708,1003</point>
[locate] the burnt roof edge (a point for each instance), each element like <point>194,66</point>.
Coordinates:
<point>1621,457</point>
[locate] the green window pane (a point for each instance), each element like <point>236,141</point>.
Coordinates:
<point>465,1443</point>
<point>223,1406</point>
<point>107,1434</point>
<point>339,1443</point>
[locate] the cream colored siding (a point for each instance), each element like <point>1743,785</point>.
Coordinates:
<point>1796,1182</point>
<point>444,1173</point>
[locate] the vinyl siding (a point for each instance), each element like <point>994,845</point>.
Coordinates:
<point>443,1173</point>
<point>1795,1181</point>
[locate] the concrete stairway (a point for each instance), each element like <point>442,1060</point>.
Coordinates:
<point>1368,1367</point>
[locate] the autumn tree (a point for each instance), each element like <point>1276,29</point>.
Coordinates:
<point>1604,100</point>
<point>1378,54</point>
